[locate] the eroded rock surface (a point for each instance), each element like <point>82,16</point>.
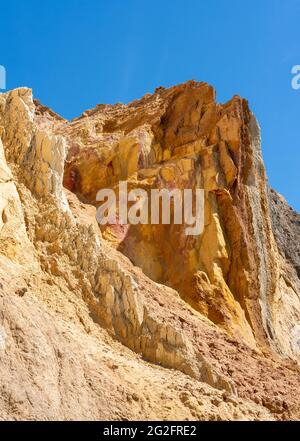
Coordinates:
<point>143,322</point>
<point>286,228</point>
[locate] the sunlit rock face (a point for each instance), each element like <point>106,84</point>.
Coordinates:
<point>113,323</point>
<point>182,138</point>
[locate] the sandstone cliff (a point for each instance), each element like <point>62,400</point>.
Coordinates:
<point>142,321</point>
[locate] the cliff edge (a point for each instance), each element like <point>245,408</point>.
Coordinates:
<point>142,321</point>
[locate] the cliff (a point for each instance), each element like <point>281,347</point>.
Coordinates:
<point>142,321</point>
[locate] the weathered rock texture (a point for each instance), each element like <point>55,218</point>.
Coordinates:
<point>286,228</point>
<point>144,322</point>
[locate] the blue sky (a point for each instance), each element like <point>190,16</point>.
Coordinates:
<point>76,54</point>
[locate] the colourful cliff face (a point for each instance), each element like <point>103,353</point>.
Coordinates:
<point>181,138</point>
<point>212,319</point>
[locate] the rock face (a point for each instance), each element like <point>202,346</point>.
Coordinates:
<point>286,228</point>
<point>142,321</point>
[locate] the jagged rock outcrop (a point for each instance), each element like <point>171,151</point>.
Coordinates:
<point>142,315</point>
<point>286,228</point>
<point>182,138</point>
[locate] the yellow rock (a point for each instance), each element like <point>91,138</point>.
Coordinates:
<point>138,316</point>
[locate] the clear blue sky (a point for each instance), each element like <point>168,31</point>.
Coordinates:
<point>75,54</point>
